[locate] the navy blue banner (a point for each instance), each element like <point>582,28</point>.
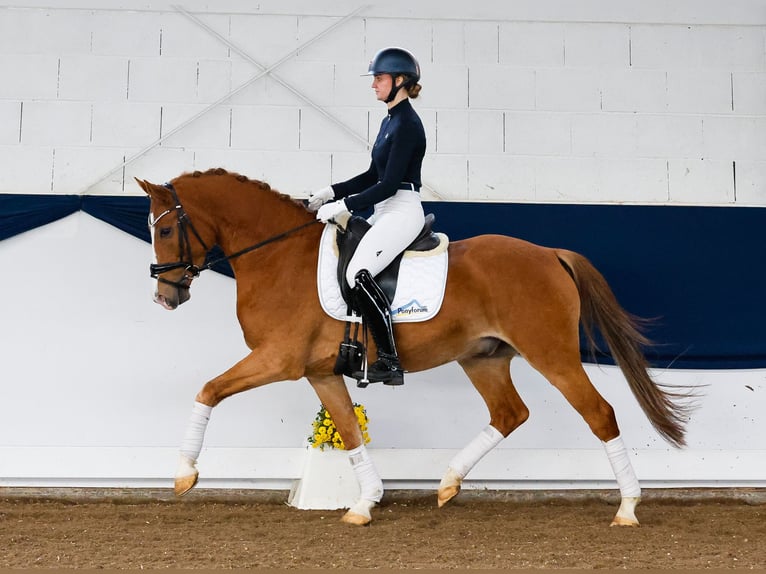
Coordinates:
<point>697,271</point>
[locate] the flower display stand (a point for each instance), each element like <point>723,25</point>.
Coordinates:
<point>327,482</point>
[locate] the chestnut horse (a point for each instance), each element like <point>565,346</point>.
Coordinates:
<point>526,300</point>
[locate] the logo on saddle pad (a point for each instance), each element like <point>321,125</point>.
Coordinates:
<point>419,289</point>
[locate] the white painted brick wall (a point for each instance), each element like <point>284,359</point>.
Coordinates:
<point>528,44</point>
<point>26,169</point>
<point>609,102</point>
<point>597,45</point>
<point>10,122</point>
<point>125,124</point>
<point>78,71</point>
<point>749,91</point>
<point>56,123</point>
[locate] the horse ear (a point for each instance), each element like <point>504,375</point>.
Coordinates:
<point>145,185</point>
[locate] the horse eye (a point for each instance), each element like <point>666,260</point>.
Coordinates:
<point>165,232</point>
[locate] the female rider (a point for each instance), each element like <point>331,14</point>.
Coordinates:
<point>392,186</point>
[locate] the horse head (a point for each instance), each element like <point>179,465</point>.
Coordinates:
<point>179,250</point>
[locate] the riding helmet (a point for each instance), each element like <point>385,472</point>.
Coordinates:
<point>395,61</point>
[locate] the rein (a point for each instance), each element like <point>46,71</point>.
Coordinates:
<point>184,246</point>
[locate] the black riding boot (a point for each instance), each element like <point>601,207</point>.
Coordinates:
<point>376,311</point>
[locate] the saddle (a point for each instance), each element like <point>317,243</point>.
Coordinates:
<point>348,240</point>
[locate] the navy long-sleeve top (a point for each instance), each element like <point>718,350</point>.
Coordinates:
<point>397,157</point>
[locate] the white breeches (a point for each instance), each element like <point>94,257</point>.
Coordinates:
<point>396,222</point>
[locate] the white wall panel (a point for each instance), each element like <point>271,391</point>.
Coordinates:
<point>751,182</point>
<point>481,42</point>
<point>749,90</point>
<point>486,131</point>
<point>125,33</point>
<point>44,31</point>
<point>448,42</point>
<point>213,129</point>
<point>76,169</point>
<point>604,135</point>
<point>444,86</point>
<point>597,45</point>
<point>26,169</point>
<point>700,91</point>
<point>531,44</point>
<point>452,132</point>
<point>265,127</point>
<point>735,138</point>
<point>265,38</point>
<point>668,136</point>
<point>213,81</point>
<point>413,35</point>
<point>559,179</point>
<point>494,177</point>
<point>633,90</point>
<point>35,76</point>
<point>318,134</point>
<point>55,123</point>
<point>183,38</point>
<point>698,181</point>
<point>538,134</point>
<point>77,73</point>
<point>501,88</point>
<point>344,44</point>
<point>625,179</point>
<point>570,90</point>
<point>160,164</point>
<point>665,47</point>
<point>10,122</point>
<point>448,173</point>
<point>733,48</point>
<point>163,80</point>
<point>126,124</point>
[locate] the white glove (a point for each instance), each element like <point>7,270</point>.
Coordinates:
<point>318,198</point>
<point>331,211</point>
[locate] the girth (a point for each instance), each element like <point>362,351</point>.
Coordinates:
<point>348,240</point>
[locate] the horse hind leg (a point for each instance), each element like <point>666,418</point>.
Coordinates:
<point>569,377</point>
<point>491,376</point>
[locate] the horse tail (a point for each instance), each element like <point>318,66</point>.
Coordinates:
<point>622,333</point>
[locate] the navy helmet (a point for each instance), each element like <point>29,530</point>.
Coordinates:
<point>397,62</point>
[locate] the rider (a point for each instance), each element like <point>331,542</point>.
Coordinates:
<point>392,185</point>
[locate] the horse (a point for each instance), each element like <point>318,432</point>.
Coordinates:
<point>527,300</point>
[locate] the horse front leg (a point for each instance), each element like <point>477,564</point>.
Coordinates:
<point>253,371</point>
<point>333,394</point>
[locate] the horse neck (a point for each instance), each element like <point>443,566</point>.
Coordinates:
<point>243,215</point>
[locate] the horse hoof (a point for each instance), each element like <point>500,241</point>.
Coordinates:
<point>447,493</point>
<point>185,483</point>
<point>626,514</point>
<point>356,519</point>
<point>620,521</point>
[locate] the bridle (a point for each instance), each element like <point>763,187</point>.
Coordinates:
<point>185,259</point>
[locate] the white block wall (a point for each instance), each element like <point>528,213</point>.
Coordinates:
<point>543,101</point>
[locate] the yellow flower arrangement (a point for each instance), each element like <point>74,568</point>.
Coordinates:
<point>324,434</point>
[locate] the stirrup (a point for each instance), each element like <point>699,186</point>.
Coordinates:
<point>386,371</point>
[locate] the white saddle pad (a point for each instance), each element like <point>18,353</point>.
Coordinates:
<point>419,290</point>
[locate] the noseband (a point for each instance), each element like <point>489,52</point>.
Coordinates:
<point>185,261</point>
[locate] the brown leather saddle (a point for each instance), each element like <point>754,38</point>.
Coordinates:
<point>348,240</point>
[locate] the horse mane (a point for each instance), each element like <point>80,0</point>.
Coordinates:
<point>260,185</point>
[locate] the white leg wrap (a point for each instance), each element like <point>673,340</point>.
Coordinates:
<point>467,458</point>
<point>370,484</point>
<point>195,432</point>
<point>622,468</point>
